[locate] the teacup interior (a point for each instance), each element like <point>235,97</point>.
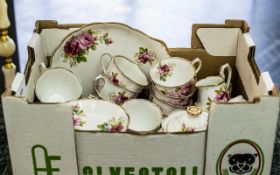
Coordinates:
<point>131,70</point>
<point>210,81</point>
<point>58,85</point>
<point>144,115</point>
<point>182,72</point>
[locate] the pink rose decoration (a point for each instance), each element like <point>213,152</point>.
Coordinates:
<point>115,81</point>
<point>108,41</point>
<point>164,69</point>
<point>76,49</point>
<point>117,128</point>
<point>185,89</point>
<point>120,99</point>
<point>144,58</point>
<point>72,47</point>
<point>77,120</point>
<point>222,97</point>
<point>85,40</point>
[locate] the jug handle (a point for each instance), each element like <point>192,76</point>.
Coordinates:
<point>199,62</point>
<point>229,73</point>
<point>96,84</point>
<point>102,62</point>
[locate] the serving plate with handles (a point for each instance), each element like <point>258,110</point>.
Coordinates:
<point>81,50</point>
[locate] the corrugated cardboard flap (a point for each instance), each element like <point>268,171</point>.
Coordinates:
<point>39,126</point>
<point>254,122</point>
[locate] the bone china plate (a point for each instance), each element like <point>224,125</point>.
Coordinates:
<point>81,50</point>
<point>98,115</point>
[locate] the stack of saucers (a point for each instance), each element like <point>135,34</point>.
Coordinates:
<point>173,83</point>
<point>122,79</point>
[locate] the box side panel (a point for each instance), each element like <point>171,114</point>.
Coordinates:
<point>153,152</point>
<point>255,83</point>
<point>243,131</point>
<point>219,41</point>
<point>36,49</point>
<point>41,137</point>
<point>195,41</point>
<point>53,37</point>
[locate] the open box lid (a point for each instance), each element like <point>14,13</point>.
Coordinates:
<point>239,130</point>
<point>232,39</point>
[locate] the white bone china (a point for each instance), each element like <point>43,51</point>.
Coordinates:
<point>110,92</point>
<point>145,116</point>
<point>56,85</point>
<point>123,72</point>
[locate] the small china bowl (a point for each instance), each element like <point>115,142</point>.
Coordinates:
<point>110,92</point>
<point>145,116</point>
<point>98,115</point>
<point>56,85</point>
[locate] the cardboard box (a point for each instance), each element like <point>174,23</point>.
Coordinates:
<point>239,139</point>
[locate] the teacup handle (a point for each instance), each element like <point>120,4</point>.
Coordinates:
<point>42,66</point>
<point>97,85</point>
<point>198,62</point>
<point>102,62</point>
<point>229,73</point>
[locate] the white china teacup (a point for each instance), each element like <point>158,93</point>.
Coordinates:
<point>110,92</point>
<point>214,88</point>
<point>57,84</point>
<point>124,73</point>
<point>143,121</point>
<point>175,76</point>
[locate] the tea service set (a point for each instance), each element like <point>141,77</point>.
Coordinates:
<point>172,86</point>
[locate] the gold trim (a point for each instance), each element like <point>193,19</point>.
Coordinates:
<point>4,35</point>
<point>194,110</point>
<point>107,23</point>
<point>8,62</point>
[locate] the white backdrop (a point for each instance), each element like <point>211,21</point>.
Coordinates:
<point>169,20</point>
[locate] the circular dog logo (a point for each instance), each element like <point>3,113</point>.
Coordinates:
<point>242,157</point>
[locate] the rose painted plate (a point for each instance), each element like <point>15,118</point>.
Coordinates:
<point>81,50</point>
<point>98,115</point>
